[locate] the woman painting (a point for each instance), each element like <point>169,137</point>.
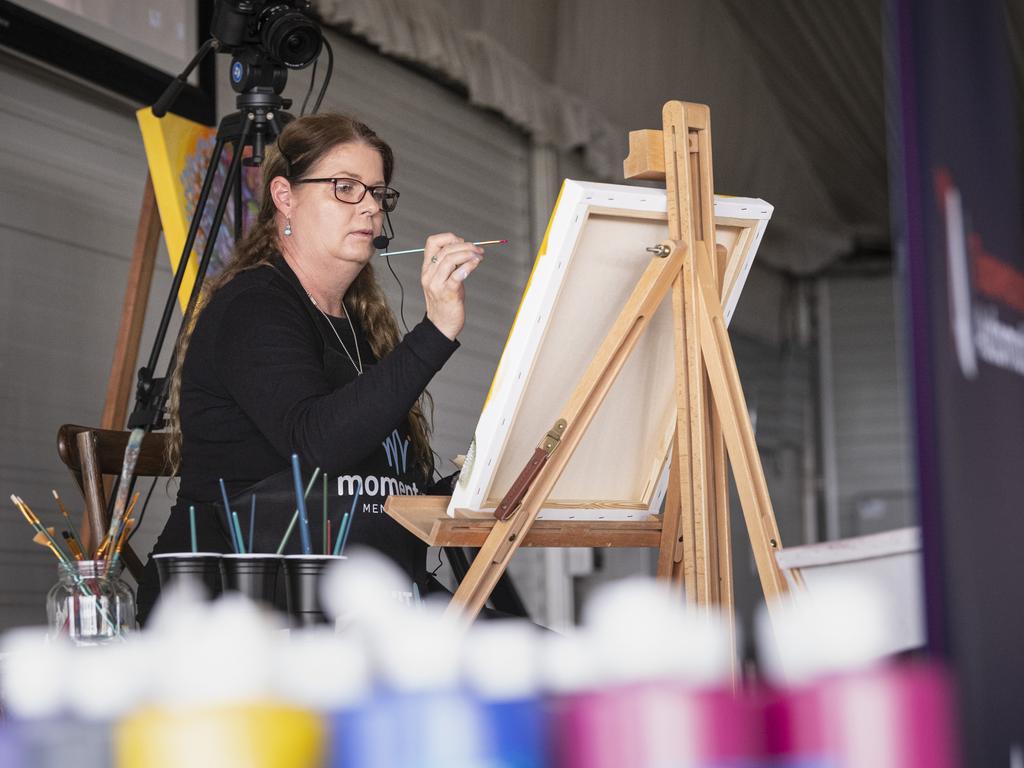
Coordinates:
<point>294,350</point>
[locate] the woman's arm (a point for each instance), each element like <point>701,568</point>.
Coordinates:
<point>270,362</point>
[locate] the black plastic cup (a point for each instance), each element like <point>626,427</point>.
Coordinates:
<point>202,568</point>
<point>302,574</point>
<point>255,576</point>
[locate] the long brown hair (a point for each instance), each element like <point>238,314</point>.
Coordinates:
<point>299,147</point>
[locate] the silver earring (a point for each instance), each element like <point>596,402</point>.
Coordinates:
<point>287,227</point>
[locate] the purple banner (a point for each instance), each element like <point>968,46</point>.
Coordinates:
<point>957,222</point>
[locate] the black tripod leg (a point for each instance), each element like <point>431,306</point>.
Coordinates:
<point>145,412</point>
<point>186,252</point>
<point>238,205</point>
<point>230,181</point>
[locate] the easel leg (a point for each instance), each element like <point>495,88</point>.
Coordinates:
<point>133,312</point>
<point>670,552</point>
<point>739,439</point>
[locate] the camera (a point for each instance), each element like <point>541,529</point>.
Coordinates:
<point>282,31</point>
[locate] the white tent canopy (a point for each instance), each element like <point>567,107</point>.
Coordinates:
<point>796,90</point>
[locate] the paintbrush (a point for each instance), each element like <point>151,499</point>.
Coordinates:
<point>73,545</point>
<point>108,540</point>
<point>129,524</point>
<point>421,250</point>
<point>42,540</point>
<point>33,520</point>
<point>71,525</point>
<point>131,458</point>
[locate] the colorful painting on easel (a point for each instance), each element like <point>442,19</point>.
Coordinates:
<point>178,152</point>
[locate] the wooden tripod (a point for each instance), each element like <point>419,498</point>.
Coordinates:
<point>711,413</point>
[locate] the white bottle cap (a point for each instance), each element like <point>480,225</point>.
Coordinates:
<point>838,626</point>
<point>418,649</point>
<point>643,632</point>
<point>221,653</point>
<point>322,670</point>
<point>567,663</point>
<point>33,670</point>
<point>364,589</point>
<point>501,659</point>
<point>109,681</point>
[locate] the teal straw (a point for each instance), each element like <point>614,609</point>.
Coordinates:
<point>192,524</point>
<point>238,532</point>
<point>341,530</point>
<point>252,521</point>
<point>227,513</point>
<point>348,528</point>
<point>295,517</point>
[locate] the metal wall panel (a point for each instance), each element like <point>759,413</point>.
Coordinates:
<point>73,170</point>
<point>872,461</point>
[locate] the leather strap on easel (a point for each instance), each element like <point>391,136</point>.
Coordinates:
<point>510,503</point>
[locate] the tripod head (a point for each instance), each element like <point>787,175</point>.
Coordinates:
<point>259,80</point>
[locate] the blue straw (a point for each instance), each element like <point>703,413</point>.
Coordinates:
<point>341,531</point>
<point>300,499</point>
<point>295,517</point>
<point>192,523</point>
<point>252,521</point>
<point>227,513</point>
<point>348,528</point>
<point>238,532</point>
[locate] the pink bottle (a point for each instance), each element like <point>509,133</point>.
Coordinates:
<point>647,683</point>
<point>839,701</point>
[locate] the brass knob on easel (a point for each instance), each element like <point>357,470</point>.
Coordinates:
<point>660,250</point>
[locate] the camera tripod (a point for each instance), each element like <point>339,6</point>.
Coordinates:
<point>260,118</point>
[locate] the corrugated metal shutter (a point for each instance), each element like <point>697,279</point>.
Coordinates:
<point>872,458</point>
<point>73,170</point>
<point>74,167</point>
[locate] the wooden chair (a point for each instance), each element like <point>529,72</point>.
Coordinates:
<point>92,454</point>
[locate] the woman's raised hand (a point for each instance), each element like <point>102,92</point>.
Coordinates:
<point>447,261</point>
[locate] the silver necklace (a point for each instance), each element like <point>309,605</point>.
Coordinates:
<point>357,365</point>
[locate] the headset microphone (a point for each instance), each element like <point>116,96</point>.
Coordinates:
<point>383,240</point>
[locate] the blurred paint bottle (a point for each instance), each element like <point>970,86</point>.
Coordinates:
<point>501,668</point>
<point>52,722</point>
<point>659,690</point>
<point>838,701</point>
<point>419,716</point>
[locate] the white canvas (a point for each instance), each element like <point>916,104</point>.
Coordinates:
<point>590,261</point>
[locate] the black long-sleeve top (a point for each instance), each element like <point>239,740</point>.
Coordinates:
<point>254,390</point>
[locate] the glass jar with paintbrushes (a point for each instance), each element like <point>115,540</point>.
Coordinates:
<point>90,603</point>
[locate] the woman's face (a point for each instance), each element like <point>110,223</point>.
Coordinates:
<point>323,226</point>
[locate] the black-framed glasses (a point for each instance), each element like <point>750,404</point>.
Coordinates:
<point>352,191</point>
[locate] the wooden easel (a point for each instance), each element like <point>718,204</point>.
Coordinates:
<point>711,414</point>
